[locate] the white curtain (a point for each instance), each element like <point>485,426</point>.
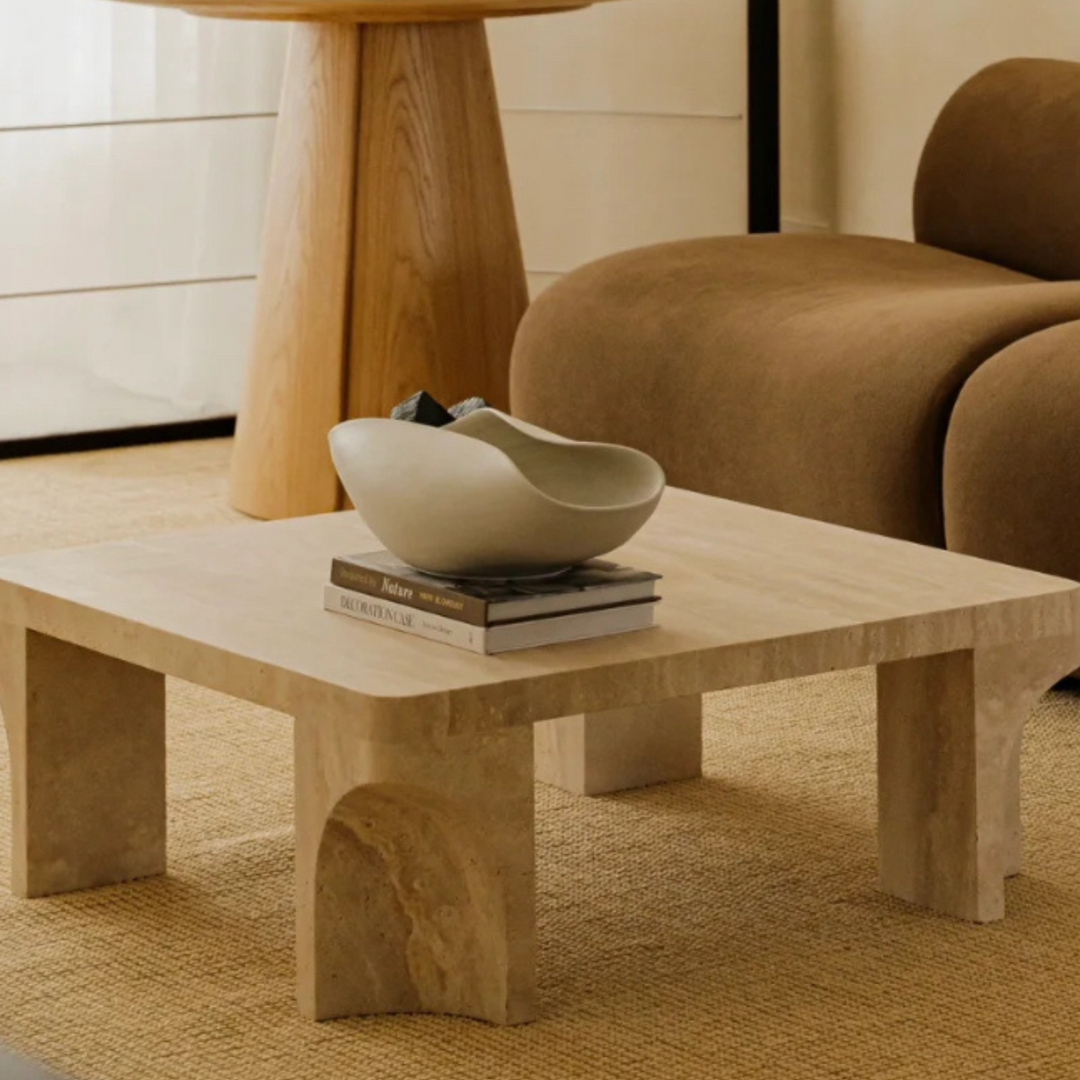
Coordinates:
<point>134,153</point>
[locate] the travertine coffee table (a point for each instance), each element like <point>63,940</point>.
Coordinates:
<point>414,761</point>
<point>391,259</point>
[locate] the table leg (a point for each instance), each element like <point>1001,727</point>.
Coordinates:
<point>602,752</point>
<point>296,370</point>
<point>391,257</point>
<point>439,284</point>
<point>87,740</point>
<point>415,874</point>
<point>949,735</point>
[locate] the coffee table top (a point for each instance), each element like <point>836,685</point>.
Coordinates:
<point>368,10</point>
<point>749,596</point>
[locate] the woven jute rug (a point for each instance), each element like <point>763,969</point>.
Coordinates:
<point>722,928</point>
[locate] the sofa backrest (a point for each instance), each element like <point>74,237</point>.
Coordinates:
<point>999,178</point>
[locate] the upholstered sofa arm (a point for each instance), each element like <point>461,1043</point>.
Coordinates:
<point>1012,456</point>
<point>999,175</point>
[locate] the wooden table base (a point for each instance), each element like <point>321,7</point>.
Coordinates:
<point>391,259</point>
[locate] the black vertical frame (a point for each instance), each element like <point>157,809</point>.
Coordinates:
<point>763,114</point>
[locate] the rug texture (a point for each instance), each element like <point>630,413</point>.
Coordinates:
<point>724,928</point>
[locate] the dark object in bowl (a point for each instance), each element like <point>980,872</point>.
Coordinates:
<point>422,408</point>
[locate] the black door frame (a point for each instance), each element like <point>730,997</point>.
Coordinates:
<point>763,115</point>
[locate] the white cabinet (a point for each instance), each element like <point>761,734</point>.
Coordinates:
<point>134,155</point>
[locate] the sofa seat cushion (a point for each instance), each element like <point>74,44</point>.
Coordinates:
<point>809,374</point>
<point>1012,457</point>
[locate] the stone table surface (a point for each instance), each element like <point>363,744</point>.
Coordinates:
<point>748,595</point>
<point>414,761</point>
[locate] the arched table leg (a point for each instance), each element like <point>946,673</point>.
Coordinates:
<point>415,874</point>
<point>949,734</point>
<point>391,258</point>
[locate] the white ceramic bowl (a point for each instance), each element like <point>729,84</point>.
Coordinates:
<point>491,496</point>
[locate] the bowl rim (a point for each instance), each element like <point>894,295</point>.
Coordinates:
<point>538,434</point>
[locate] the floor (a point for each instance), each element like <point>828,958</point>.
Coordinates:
<point>728,927</point>
<point>121,493</point>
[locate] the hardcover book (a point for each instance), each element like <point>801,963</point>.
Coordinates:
<point>504,637</point>
<point>596,583</point>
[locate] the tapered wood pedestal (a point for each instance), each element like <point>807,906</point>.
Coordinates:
<point>391,259</point>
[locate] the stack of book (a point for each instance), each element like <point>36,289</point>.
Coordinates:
<point>595,599</point>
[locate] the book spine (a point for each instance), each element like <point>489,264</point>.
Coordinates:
<point>408,620</point>
<point>442,602</point>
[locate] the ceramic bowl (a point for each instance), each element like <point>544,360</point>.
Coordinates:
<point>490,496</point>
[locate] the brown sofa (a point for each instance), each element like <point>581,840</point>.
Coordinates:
<point>927,390</point>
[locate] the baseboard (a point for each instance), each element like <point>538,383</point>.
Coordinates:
<point>794,225</point>
<point>221,427</point>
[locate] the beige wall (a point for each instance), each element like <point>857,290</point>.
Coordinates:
<point>624,126</point>
<point>808,110</point>
<point>856,134</point>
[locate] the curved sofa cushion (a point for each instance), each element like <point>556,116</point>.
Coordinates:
<point>1000,174</point>
<point>809,374</point>
<point>1012,457</point>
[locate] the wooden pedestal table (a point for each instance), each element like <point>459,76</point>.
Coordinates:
<point>391,259</point>
<point>415,761</point>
